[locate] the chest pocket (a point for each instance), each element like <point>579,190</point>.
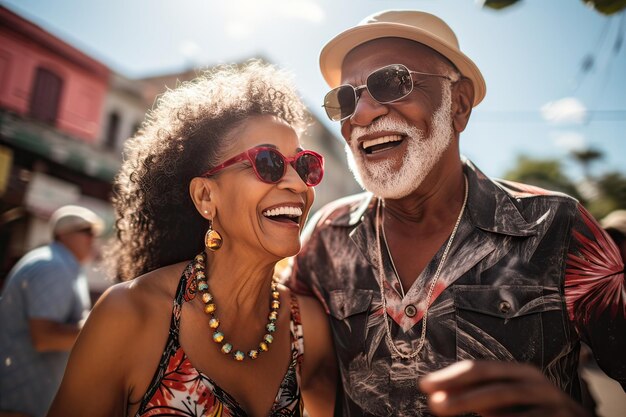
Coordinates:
<point>348,310</point>
<point>508,323</point>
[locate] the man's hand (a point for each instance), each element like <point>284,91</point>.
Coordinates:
<point>495,389</point>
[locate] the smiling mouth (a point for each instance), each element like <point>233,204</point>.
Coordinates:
<point>285,214</point>
<point>381,144</point>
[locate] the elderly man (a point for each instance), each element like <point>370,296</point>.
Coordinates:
<point>438,264</point>
<point>42,306</point>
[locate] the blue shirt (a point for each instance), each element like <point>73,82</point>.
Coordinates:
<point>47,283</point>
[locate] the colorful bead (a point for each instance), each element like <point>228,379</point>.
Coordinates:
<point>210,308</point>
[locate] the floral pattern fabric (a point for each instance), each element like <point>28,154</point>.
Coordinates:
<point>179,389</point>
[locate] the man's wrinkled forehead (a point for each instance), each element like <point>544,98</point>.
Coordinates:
<point>385,51</point>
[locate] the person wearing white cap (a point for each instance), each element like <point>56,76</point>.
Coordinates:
<point>448,292</point>
<point>44,300</point>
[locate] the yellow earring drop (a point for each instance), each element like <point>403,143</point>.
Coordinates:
<point>212,239</point>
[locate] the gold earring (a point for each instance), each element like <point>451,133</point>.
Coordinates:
<point>212,239</point>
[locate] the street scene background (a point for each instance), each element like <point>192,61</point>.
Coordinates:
<point>76,78</point>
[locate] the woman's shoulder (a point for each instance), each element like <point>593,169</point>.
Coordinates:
<point>309,306</point>
<point>305,304</point>
<point>307,312</point>
<point>139,299</point>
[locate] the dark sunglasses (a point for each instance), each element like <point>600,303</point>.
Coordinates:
<point>270,166</point>
<point>88,231</point>
<point>385,85</point>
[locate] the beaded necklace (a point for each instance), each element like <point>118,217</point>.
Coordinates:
<point>381,273</point>
<point>214,323</point>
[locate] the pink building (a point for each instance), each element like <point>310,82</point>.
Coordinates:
<point>52,100</point>
<point>49,80</point>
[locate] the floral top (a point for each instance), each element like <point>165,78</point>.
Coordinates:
<point>179,389</point>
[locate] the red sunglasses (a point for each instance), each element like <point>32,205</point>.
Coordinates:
<point>270,166</point>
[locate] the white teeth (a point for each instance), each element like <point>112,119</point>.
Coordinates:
<point>392,138</point>
<point>284,211</point>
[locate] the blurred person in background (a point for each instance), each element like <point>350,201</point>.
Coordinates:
<point>448,292</point>
<point>43,304</point>
<point>213,193</point>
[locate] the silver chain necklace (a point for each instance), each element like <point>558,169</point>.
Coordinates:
<point>381,278</point>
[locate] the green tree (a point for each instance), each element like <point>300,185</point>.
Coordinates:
<point>612,187</point>
<point>548,174</point>
<point>585,157</point>
<point>497,4</point>
<point>606,6</point>
<point>544,173</point>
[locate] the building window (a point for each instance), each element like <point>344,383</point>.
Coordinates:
<point>112,130</point>
<point>46,94</point>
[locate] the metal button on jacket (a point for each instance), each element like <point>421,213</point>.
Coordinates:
<point>410,310</point>
<point>504,306</point>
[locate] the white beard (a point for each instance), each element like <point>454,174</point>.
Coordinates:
<point>381,178</point>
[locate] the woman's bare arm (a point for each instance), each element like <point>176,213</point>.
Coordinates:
<point>319,367</point>
<point>96,380</point>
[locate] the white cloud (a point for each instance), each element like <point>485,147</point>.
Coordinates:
<point>189,49</point>
<point>565,110</point>
<point>569,141</point>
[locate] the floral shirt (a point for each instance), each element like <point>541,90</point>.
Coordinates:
<point>529,275</point>
<point>179,389</point>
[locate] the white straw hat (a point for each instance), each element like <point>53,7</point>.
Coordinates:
<point>417,26</point>
<point>71,218</point>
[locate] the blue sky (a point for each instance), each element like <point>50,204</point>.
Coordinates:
<point>539,102</point>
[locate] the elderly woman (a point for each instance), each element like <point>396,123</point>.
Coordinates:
<point>214,191</point>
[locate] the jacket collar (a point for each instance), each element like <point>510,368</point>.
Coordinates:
<point>490,206</point>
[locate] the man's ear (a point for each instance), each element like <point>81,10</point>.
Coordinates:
<point>202,192</point>
<point>462,99</point>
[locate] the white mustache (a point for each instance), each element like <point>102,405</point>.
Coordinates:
<point>385,125</point>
